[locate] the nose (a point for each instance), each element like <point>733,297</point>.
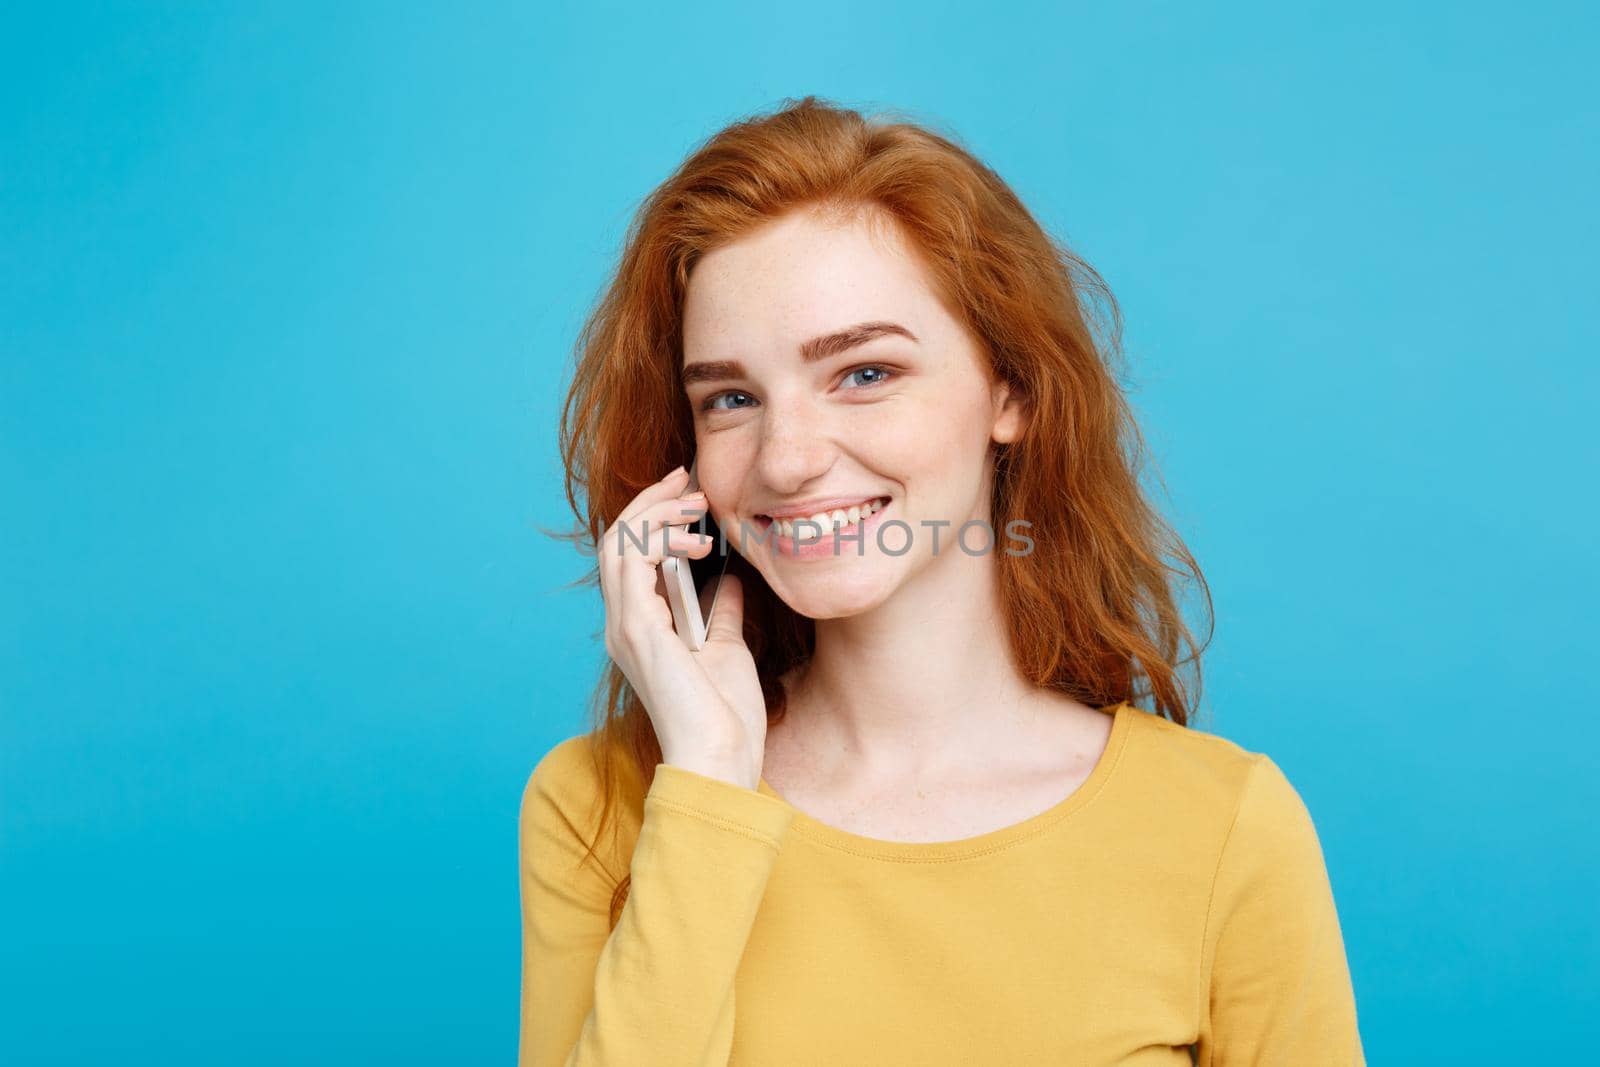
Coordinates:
<point>797,445</point>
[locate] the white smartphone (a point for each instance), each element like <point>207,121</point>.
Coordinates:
<point>686,577</point>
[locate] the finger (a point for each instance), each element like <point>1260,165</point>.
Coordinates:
<point>638,570</point>
<point>638,535</point>
<point>647,513</point>
<point>633,534</point>
<point>664,542</point>
<point>653,494</point>
<point>676,510</point>
<point>727,610</point>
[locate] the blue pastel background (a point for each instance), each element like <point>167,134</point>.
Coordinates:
<point>287,300</point>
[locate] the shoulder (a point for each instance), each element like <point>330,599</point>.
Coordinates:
<point>568,767</point>
<point>564,796</point>
<point>1206,778</point>
<point>570,775</point>
<point>1206,768</point>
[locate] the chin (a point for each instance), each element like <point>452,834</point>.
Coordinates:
<point>837,598</point>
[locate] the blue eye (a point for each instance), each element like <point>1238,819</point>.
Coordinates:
<point>885,372</point>
<point>710,403</point>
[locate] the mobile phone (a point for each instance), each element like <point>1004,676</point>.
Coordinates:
<point>686,578</point>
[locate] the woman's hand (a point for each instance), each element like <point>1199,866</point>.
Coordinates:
<point>706,706</point>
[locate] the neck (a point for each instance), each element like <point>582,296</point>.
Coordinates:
<point>922,684</point>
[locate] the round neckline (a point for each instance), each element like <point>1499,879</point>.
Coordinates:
<point>1122,716</point>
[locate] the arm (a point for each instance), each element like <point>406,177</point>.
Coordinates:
<point>1279,989</point>
<point>659,988</point>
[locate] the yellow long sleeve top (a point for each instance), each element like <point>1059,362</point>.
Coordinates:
<point>1175,909</point>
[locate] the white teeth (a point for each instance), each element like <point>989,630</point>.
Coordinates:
<point>827,521</point>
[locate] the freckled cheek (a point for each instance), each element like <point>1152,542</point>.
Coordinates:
<point>934,454</point>
<point>893,452</point>
<point>718,469</point>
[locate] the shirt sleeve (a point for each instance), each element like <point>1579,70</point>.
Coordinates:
<point>1279,989</point>
<point>659,988</point>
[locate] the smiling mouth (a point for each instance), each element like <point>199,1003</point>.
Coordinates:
<point>839,518</point>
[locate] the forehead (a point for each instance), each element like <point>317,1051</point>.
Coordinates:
<point>803,275</point>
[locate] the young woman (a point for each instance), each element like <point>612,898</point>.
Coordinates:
<point>928,794</point>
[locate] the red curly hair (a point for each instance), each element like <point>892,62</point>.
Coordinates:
<point>1092,612</point>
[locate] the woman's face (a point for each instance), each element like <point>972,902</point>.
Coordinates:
<point>902,411</point>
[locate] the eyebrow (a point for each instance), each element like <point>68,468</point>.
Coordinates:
<point>818,348</point>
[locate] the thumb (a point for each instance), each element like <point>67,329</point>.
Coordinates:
<point>727,610</point>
